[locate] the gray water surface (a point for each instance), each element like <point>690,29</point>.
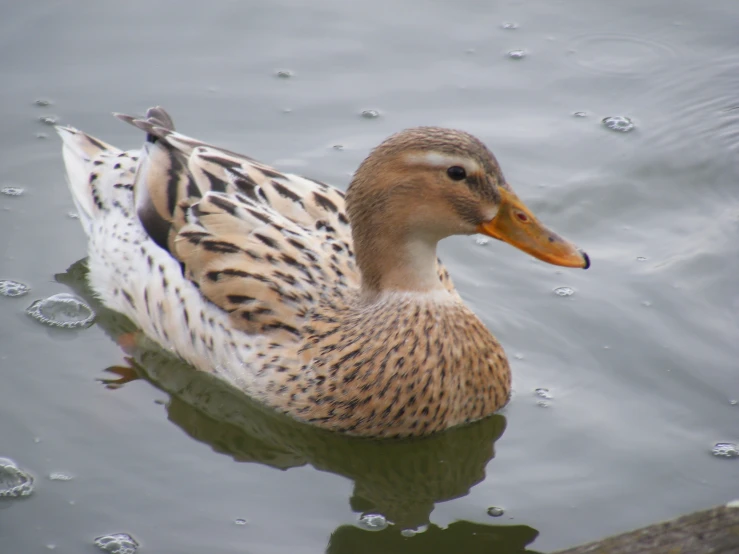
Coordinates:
<point>640,361</point>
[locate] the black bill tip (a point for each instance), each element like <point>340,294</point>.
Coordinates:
<point>587,259</point>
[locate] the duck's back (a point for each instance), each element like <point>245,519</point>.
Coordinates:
<point>259,244</point>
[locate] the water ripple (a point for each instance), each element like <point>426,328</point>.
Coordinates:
<point>622,55</point>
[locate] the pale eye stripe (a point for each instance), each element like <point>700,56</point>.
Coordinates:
<point>442,161</point>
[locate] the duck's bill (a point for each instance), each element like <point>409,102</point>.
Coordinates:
<point>516,225</point>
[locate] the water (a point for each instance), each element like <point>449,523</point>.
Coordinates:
<point>627,440</point>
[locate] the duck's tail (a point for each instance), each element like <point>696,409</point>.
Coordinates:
<point>101,177</point>
<point>84,157</point>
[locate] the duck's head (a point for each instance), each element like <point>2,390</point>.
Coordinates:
<point>427,183</point>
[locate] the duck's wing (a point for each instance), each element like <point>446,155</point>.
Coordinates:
<point>259,244</point>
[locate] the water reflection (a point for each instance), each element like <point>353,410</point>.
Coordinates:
<point>460,536</point>
<point>400,479</point>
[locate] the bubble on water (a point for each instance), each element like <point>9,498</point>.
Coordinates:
<point>481,241</point>
<point>73,215</point>
<point>542,403</point>
<point>284,73</point>
<point>42,102</point>
<point>370,114</point>
<point>412,532</point>
<point>51,546</point>
<point>725,450</point>
<point>518,356</point>
<point>12,191</point>
<point>509,25</point>
<point>646,303</point>
<point>564,291</point>
<point>579,114</point>
<point>59,476</point>
<point>618,123</point>
<point>495,511</point>
<point>517,54</point>
<point>641,259</point>
<point>287,110</point>
<point>373,522</point>
<point>470,51</point>
<point>338,147</point>
<point>14,482</point>
<point>543,393</point>
<point>48,119</point>
<point>733,402</point>
<point>117,543</point>
<point>240,522</point>
<point>42,135</point>
<point>62,310</point>
<point>13,288</point>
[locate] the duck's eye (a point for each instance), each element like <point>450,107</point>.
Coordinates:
<point>456,173</point>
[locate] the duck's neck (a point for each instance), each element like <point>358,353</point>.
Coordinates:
<point>397,261</point>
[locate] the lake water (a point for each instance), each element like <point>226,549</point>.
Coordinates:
<point>641,362</point>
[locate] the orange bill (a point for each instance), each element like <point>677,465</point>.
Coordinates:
<point>517,226</point>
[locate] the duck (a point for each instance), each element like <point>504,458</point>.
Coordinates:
<point>330,307</point>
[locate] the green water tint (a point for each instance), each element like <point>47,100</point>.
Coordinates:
<point>400,479</point>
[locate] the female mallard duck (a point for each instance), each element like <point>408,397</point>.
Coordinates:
<point>259,278</point>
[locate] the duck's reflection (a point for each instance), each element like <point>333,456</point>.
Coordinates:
<point>459,537</point>
<point>400,479</point>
